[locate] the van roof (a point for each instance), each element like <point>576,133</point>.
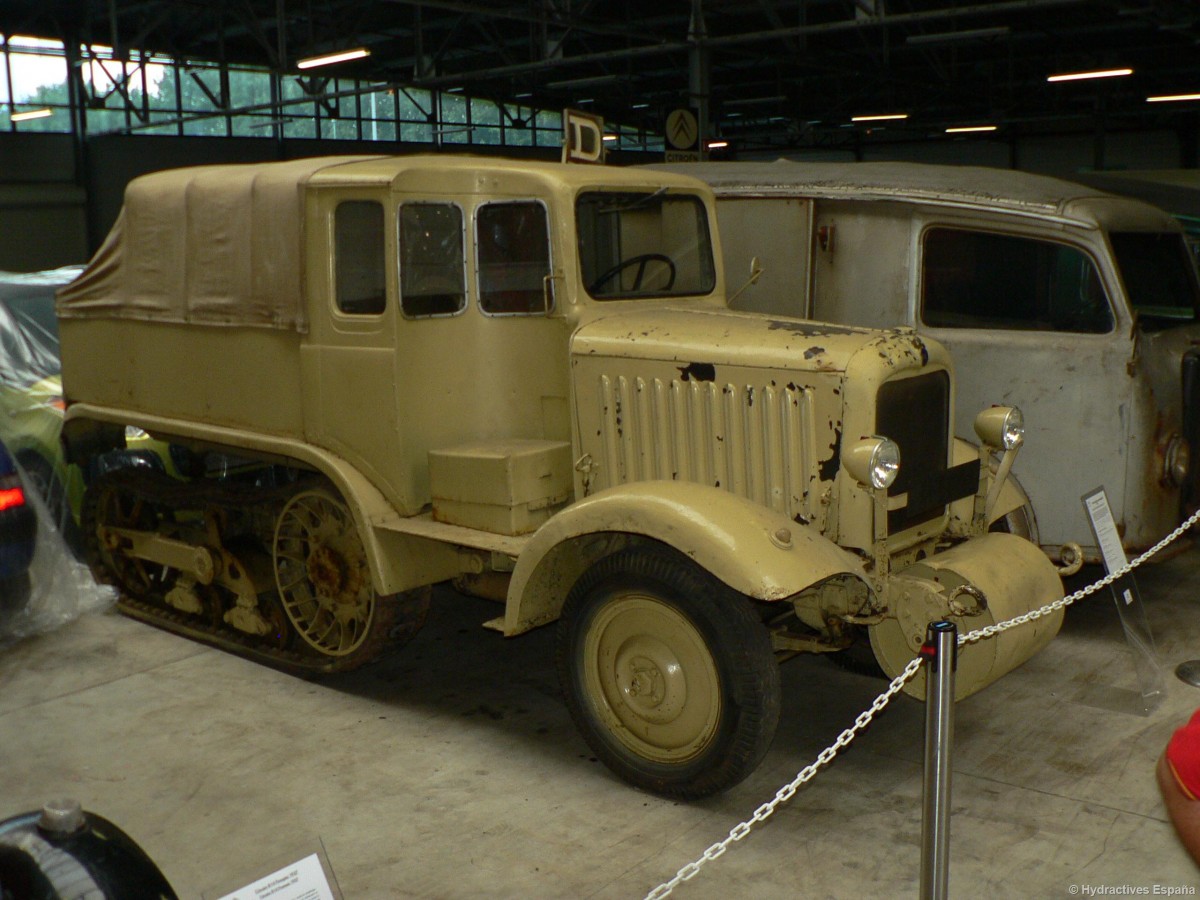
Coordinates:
<point>977,186</point>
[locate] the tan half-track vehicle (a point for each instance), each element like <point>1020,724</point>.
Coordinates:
<point>383,373</point>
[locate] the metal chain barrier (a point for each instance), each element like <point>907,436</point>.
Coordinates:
<point>785,793</point>
<point>993,630</point>
<point>843,740</point>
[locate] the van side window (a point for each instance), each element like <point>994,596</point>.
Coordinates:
<point>513,244</point>
<point>432,274</point>
<point>972,279</point>
<point>359,255</point>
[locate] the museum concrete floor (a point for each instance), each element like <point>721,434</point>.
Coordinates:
<point>452,770</point>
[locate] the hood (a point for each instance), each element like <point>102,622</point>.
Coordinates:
<point>703,337</point>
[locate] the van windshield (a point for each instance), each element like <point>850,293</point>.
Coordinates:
<point>1159,276</point>
<point>644,244</point>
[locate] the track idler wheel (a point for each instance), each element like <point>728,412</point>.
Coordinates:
<point>325,587</point>
<point>111,502</point>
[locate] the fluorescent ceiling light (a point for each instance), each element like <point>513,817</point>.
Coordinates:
<point>330,58</point>
<point>31,114</point>
<point>717,145</point>
<point>884,118</point>
<point>963,129</point>
<point>610,137</point>
<point>1082,76</point>
<point>971,34</point>
<point>1167,98</point>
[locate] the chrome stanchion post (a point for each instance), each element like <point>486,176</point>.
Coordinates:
<point>941,658</point>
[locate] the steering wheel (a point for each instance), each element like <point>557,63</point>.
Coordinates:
<point>640,262</point>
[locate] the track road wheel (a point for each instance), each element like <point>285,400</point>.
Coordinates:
<point>325,588</point>
<point>112,502</point>
<point>667,673</point>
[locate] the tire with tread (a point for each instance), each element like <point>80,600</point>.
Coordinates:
<point>668,674</point>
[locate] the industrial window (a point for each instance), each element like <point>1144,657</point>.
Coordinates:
<point>972,279</point>
<point>432,275</point>
<point>359,255</point>
<point>513,244</point>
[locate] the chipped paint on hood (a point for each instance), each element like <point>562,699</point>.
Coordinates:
<point>699,338</point>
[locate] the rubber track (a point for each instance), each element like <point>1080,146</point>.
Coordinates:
<point>163,491</point>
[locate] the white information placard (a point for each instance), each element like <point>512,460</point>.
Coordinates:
<point>1130,609</point>
<point>1105,528</point>
<point>302,880</point>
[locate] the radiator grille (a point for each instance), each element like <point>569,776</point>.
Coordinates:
<point>752,440</point>
<point>915,413</point>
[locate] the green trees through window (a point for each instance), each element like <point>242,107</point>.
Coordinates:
<point>158,94</point>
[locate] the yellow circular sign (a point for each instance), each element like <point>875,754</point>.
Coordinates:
<point>683,132</point>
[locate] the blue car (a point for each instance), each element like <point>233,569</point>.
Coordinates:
<point>18,533</point>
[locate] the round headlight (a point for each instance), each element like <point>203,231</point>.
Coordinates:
<point>1177,461</point>
<point>1001,426</point>
<point>873,461</point>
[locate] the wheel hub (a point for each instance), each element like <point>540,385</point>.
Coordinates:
<point>327,572</point>
<point>651,679</point>
<point>322,575</point>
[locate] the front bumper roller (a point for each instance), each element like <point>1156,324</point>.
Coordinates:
<point>981,582</point>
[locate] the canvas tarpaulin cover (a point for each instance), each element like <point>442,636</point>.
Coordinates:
<point>214,245</point>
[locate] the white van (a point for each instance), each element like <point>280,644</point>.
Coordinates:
<point>1078,306</point>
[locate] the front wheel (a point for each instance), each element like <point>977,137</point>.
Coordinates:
<point>667,673</point>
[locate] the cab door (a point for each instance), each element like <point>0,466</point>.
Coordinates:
<point>348,357</point>
<point>1028,318</point>
<point>481,343</point>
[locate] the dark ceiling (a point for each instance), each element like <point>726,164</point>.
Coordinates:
<point>779,74</point>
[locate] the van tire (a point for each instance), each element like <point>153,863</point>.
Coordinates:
<point>668,674</point>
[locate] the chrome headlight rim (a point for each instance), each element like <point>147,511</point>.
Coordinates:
<point>1177,460</point>
<point>1001,426</point>
<point>873,461</point>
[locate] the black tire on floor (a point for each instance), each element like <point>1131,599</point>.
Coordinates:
<point>668,674</point>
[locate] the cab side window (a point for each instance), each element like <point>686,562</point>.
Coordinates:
<point>359,257</point>
<point>432,273</point>
<point>513,244</point>
<point>972,279</point>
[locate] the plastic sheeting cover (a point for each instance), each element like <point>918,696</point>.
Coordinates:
<point>60,588</point>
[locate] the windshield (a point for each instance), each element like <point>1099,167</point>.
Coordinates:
<point>29,348</point>
<point>1159,276</point>
<point>644,244</point>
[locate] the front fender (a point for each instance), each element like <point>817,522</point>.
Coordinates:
<point>755,550</point>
